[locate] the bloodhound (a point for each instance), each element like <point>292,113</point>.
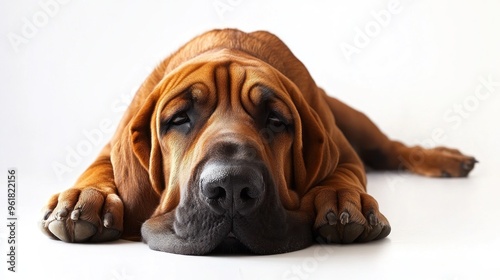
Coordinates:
<point>229,145</point>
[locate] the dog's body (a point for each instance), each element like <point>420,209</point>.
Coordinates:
<point>230,144</point>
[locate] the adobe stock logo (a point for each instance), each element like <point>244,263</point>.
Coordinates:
<point>223,6</point>
<point>456,115</point>
<point>363,37</point>
<point>31,25</point>
<point>92,139</point>
<point>309,265</point>
<point>462,110</point>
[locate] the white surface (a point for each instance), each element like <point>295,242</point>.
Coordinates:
<point>77,71</point>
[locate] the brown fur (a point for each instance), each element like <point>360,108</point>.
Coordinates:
<point>322,174</point>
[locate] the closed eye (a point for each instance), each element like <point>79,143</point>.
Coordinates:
<point>180,122</point>
<point>179,119</point>
<point>275,123</point>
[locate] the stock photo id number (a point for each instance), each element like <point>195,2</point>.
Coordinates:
<point>11,220</point>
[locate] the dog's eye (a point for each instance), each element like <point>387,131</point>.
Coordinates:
<point>275,123</point>
<point>179,119</point>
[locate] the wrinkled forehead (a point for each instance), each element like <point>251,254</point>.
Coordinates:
<point>223,72</point>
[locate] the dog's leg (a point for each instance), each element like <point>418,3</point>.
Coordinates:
<point>344,212</point>
<point>89,211</point>
<point>379,152</point>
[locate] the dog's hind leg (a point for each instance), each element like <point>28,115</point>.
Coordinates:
<point>379,152</point>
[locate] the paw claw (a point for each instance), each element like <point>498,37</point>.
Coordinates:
<point>344,218</point>
<point>469,165</point>
<point>108,220</point>
<point>61,214</point>
<point>75,215</point>
<point>46,215</point>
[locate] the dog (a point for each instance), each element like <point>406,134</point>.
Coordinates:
<point>230,146</point>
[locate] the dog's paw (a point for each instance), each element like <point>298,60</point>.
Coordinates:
<point>86,215</point>
<point>348,215</point>
<point>440,162</point>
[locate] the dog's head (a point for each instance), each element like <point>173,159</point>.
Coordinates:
<point>230,145</point>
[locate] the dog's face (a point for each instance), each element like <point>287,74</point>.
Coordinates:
<point>225,139</point>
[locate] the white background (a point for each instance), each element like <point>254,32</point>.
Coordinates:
<point>68,69</point>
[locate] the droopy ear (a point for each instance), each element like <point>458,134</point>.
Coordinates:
<point>315,154</point>
<point>145,145</point>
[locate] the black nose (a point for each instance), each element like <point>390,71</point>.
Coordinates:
<point>231,188</point>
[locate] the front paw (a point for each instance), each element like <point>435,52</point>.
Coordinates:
<point>83,215</point>
<point>348,215</point>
